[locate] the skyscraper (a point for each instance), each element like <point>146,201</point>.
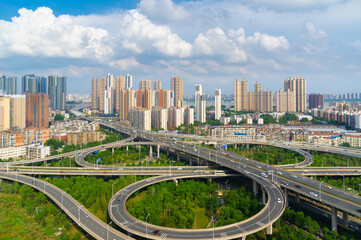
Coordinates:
<point>241,95</point>
<point>200,104</point>
<point>108,95</point>
<point>37,110</point>
<point>128,81</point>
<point>57,92</point>
<point>119,84</point>
<point>8,85</point>
<point>145,84</point>
<point>159,118</point>
<point>97,93</point>
<point>157,85</point>
<point>18,111</point>
<point>217,104</point>
<point>176,85</point>
<point>126,103</point>
<point>189,116</point>
<point>298,87</point>
<point>315,100</point>
<point>285,101</point>
<point>29,84</point>
<point>4,113</point>
<point>141,118</point>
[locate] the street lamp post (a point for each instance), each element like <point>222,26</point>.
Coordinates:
<point>146,225</point>
<point>59,165</point>
<point>108,230</point>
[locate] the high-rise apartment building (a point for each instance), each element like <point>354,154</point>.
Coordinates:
<point>189,116</point>
<point>37,110</point>
<point>285,101</point>
<point>217,104</point>
<point>157,85</point>
<point>108,95</point>
<point>119,84</point>
<point>57,92</point>
<point>127,97</point>
<point>200,104</point>
<point>175,117</point>
<point>241,95</point>
<point>176,85</point>
<point>145,84</point>
<point>18,112</point>
<point>128,81</point>
<point>97,93</point>
<point>315,100</point>
<point>4,113</point>
<point>298,87</point>
<point>144,98</point>
<point>141,118</point>
<point>8,85</point>
<point>159,118</point>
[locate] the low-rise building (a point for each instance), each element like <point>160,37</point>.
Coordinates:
<point>37,151</point>
<point>12,152</point>
<point>83,138</point>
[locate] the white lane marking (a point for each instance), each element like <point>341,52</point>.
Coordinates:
<point>240,228</point>
<point>164,235</point>
<point>259,223</point>
<point>224,234</point>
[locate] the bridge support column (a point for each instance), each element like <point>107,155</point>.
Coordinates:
<point>113,152</point>
<point>150,152</point>
<point>244,237</point>
<point>176,181</point>
<point>167,150</point>
<point>255,188</point>
<point>334,219</point>
<point>263,196</point>
<point>177,152</point>
<point>190,159</point>
<point>286,197</point>
<point>158,147</point>
<point>269,229</point>
<point>345,219</point>
<point>297,198</point>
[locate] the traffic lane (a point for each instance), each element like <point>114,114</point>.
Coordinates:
<point>119,211</point>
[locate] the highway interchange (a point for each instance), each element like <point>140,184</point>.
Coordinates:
<point>270,178</point>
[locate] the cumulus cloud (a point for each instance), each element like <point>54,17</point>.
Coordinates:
<point>216,43</point>
<point>163,10</point>
<point>40,33</point>
<point>295,4</point>
<point>125,64</point>
<point>314,32</point>
<point>138,34</point>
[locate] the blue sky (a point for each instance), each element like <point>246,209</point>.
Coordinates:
<point>211,42</point>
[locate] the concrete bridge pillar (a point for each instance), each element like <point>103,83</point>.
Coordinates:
<point>345,219</point>
<point>286,197</point>
<point>269,229</point>
<point>176,181</point>
<point>263,196</point>
<point>297,198</point>
<point>126,148</point>
<point>255,188</point>
<point>158,147</point>
<point>151,152</point>
<point>334,219</point>
<point>235,146</point>
<point>167,150</point>
<point>113,151</point>
<point>244,237</point>
<point>190,159</point>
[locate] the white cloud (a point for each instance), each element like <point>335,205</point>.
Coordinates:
<point>40,33</point>
<point>296,4</point>
<point>356,44</point>
<point>216,43</point>
<point>163,10</point>
<point>268,42</point>
<point>138,34</point>
<point>125,64</point>
<point>314,32</point>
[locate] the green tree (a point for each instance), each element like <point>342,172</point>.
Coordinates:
<point>267,118</point>
<point>58,117</point>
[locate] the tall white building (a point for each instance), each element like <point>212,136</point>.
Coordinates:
<point>108,95</point>
<point>175,117</point>
<point>141,118</point>
<point>189,116</point>
<point>200,104</point>
<point>128,81</point>
<point>159,118</point>
<point>217,104</point>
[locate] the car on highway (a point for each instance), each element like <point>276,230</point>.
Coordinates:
<point>149,180</point>
<point>325,215</point>
<point>259,167</point>
<point>359,210</point>
<point>206,171</point>
<point>313,194</point>
<point>297,186</point>
<point>353,226</point>
<point>194,171</point>
<point>279,200</point>
<point>246,172</point>
<point>179,168</point>
<point>61,171</point>
<point>264,175</point>
<point>327,186</point>
<point>120,168</point>
<point>285,183</point>
<point>294,176</point>
<point>118,201</point>
<point>279,172</point>
<point>156,232</point>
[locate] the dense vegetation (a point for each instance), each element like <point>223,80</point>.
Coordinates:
<point>132,157</point>
<point>334,160</point>
<point>191,205</point>
<point>352,184</point>
<point>28,214</point>
<point>267,154</point>
<point>93,193</point>
<point>55,145</point>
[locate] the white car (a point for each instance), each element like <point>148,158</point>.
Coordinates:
<point>279,200</point>
<point>206,172</point>
<point>279,173</point>
<point>179,168</point>
<point>294,176</point>
<point>195,171</point>
<point>313,194</point>
<point>264,175</point>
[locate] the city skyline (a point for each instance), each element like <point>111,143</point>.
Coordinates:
<point>230,40</point>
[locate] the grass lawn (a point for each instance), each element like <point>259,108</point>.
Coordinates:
<point>201,220</point>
